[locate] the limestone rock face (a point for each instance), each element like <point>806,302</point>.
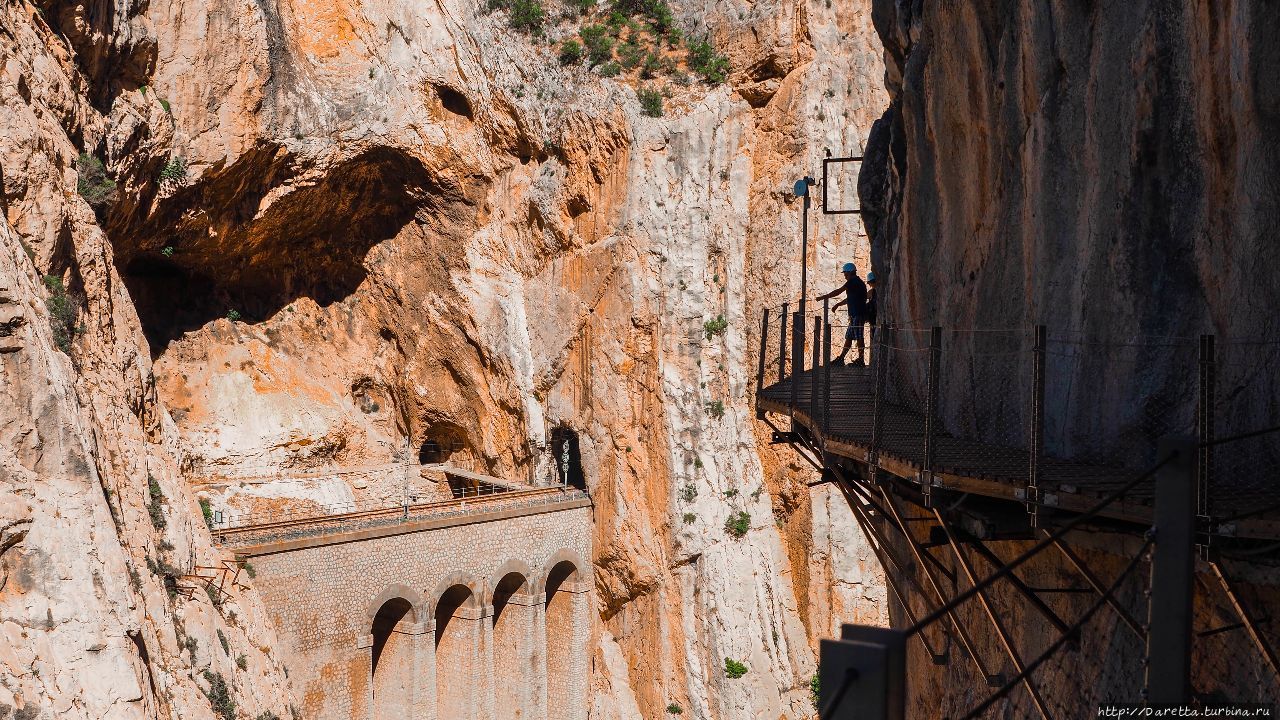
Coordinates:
<point>1097,168</point>
<point>339,232</point>
<point>97,528</point>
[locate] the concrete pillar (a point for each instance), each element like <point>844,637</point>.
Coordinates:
<point>538,678</point>
<point>426,696</point>
<point>421,650</point>
<point>400,689</point>
<point>485,679</point>
<point>579,661</point>
<point>568,627</point>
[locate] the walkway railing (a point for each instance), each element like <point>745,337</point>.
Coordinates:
<point>1042,409</point>
<point>312,510</point>
<point>470,504</point>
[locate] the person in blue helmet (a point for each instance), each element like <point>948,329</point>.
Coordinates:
<point>855,298</point>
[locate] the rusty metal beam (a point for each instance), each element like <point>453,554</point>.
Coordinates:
<point>965,640</point>
<point>1029,593</point>
<point>1098,587</point>
<point>900,524</point>
<point>1001,631</point>
<point>890,564</point>
<point>1250,626</point>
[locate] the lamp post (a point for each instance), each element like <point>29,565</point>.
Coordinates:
<point>801,190</point>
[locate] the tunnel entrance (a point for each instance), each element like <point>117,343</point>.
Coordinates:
<point>567,458</point>
<point>444,442</point>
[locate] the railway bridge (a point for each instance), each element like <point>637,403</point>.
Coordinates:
<point>475,605</point>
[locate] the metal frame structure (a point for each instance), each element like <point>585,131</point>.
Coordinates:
<point>878,485</point>
<point>825,163</point>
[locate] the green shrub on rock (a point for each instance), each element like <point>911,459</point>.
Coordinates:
<point>734,669</point>
<point>599,44</point>
<point>704,60</point>
<point>571,52</point>
<point>527,16</point>
<point>738,523</point>
<point>650,102</point>
<point>92,181</point>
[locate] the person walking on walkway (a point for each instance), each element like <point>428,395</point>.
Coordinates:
<point>855,297</point>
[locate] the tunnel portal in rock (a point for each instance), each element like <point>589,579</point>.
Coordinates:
<point>568,457</point>
<point>442,441</point>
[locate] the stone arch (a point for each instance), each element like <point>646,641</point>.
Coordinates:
<point>466,579</point>
<point>564,586</point>
<point>396,590</point>
<point>518,567</point>
<point>458,612</point>
<point>564,555</point>
<point>515,641</point>
<point>393,623</point>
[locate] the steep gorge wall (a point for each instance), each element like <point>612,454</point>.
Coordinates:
<point>393,219</point>
<point>1105,169</point>
<point>1109,170</point>
<point>96,523</point>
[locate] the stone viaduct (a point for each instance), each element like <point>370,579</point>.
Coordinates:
<point>480,615</point>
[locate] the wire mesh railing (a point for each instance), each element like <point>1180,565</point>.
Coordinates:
<point>538,499</point>
<point>301,508</point>
<point>1046,411</point>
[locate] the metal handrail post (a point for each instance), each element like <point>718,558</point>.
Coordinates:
<point>797,359</point>
<point>826,376</point>
<point>782,344</point>
<point>817,357</point>
<point>1205,430</point>
<point>881,360</point>
<point>1170,618</point>
<point>1036,449</point>
<point>931,415</point>
<point>764,345</point>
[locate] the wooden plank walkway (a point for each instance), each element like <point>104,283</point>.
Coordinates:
<point>967,465</point>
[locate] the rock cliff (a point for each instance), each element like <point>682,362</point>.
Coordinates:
<point>1103,169</point>
<point>247,239</point>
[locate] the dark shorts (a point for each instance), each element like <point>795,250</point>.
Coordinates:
<point>855,328</point>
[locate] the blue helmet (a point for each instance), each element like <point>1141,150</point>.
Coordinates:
<point>871,276</point>
<point>848,267</point>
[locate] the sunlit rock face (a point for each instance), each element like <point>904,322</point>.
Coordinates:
<point>392,223</point>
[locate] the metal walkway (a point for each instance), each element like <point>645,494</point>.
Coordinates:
<point>977,462</point>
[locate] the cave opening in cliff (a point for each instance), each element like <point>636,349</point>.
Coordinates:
<point>238,245</point>
<point>444,441</point>
<point>568,458</point>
